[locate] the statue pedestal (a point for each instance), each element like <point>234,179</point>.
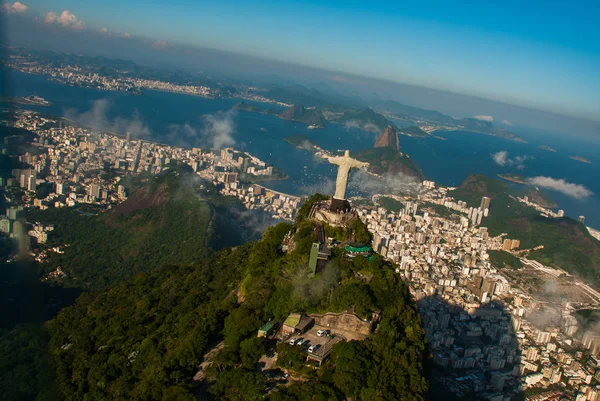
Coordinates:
<point>338,205</point>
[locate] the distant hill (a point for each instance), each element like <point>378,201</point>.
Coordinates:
<point>567,243</point>
<point>365,119</point>
<point>311,97</point>
<point>243,106</point>
<point>402,110</point>
<point>387,160</point>
<point>307,116</point>
<point>388,139</point>
<point>162,222</point>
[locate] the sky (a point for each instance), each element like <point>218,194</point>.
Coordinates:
<point>543,55</point>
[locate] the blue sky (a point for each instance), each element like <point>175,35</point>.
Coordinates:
<point>544,55</point>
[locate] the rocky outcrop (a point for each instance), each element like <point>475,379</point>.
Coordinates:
<point>388,139</point>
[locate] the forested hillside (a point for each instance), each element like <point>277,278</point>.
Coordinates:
<point>144,339</point>
<point>165,221</point>
<point>567,243</point>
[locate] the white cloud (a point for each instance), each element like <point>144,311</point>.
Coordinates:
<point>576,191</point>
<point>368,126</point>
<point>507,123</point>
<point>103,30</point>
<point>65,19</point>
<point>14,8</point>
<point>502,159</point>
<point>485,118</point>
<point>219,129</point>
<point>97,119</point>
<point>159,44</point>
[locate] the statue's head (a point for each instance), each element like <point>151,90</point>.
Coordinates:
<point>347,153</point>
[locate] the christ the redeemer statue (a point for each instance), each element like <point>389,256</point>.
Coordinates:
<point>345,163</point>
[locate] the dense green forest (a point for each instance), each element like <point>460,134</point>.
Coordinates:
<point>144,339</point>
<point>165,221</point>
<point>567,243</point>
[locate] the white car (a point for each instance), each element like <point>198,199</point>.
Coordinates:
<point>293,341</point>
<point>321,333</point>
<point>314,347</point>
<point>300,341</point>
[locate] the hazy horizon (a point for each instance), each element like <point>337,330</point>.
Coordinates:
<point>30,25</point>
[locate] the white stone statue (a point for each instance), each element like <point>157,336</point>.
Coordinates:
<point>345,163</point>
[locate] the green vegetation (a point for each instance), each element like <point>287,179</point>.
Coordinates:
<point>164,222</point>
<point>301,142</point>
<point>243,106</point>
<point>502,259</point>
<point>438,210</point>
<point>567,243</point>
<point>144,338</point>
<point>390,204</point>
<point>387,160</point>
<point>26,372</point>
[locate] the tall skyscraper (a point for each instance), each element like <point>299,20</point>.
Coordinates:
<point>485,203</point>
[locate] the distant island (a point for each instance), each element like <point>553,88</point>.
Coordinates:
<point>29,100</point>
<point>546,147</point>
<point>312,117</point>
<point>580,159</point>
<point>534,194</point>
<point>302,142</point>
<point>413,131</point>
<point>514,178</point>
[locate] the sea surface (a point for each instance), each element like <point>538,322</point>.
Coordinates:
<point>189,121</point>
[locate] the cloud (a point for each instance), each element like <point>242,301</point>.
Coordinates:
<point>507,123</point>
<point>14,8</point>
<point>368,126</point>
<point>183,135</point>
<point>219,129</point>
<point>576,191</point>
<point>501,158</point>
<point>485,118</point>
<point>159,44</point>
<point>361,183</point>
<point>66,19</point>
<point>97,120</point>
<point>322,185</point>
<point>106,32</point>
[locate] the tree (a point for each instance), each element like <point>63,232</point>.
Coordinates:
<point>352,363</point>
<point>251,350</point>
<point>238,385</point>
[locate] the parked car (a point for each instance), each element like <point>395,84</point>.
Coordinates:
<point>293,341</point>
<point>314,348</point>
<point>321,333</point>
<point>300,341</point>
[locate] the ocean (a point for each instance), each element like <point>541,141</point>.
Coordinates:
<point>186,120</point>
